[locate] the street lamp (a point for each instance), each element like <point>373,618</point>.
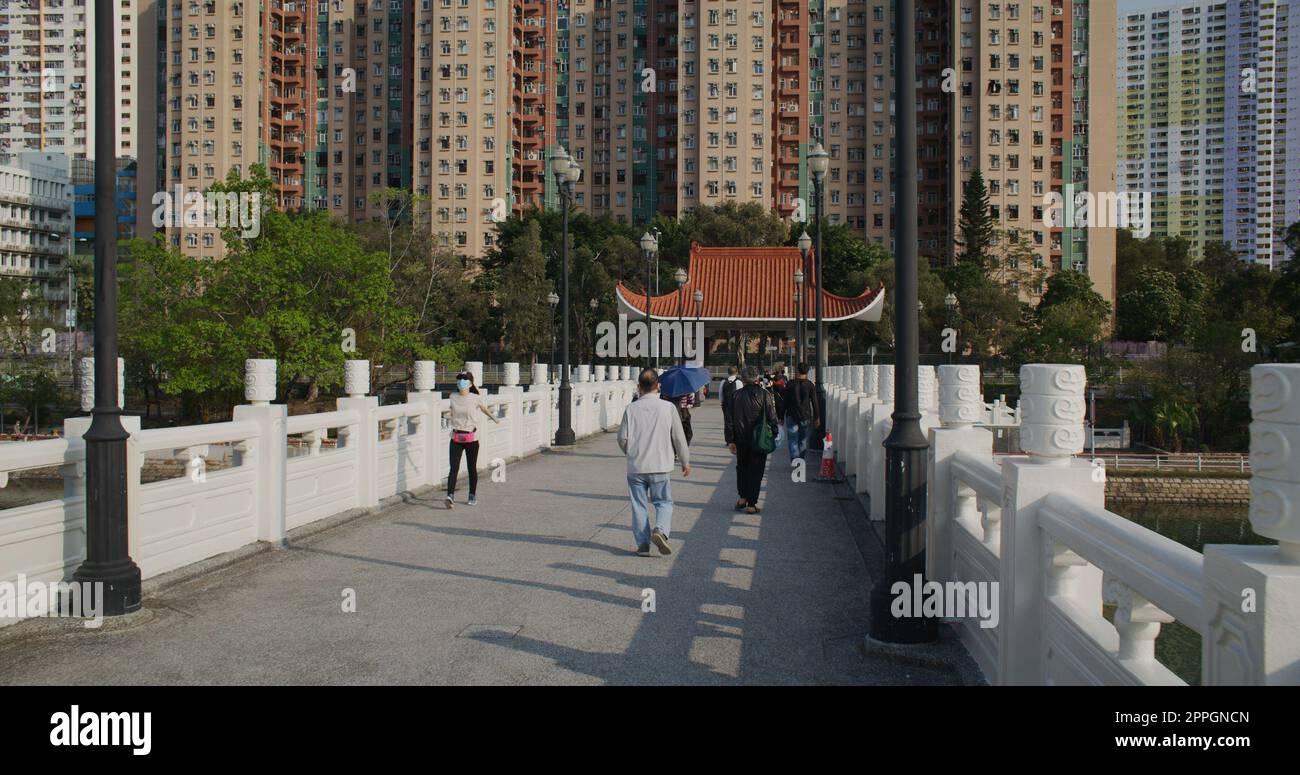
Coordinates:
<point>113,576</point>
<point>553,299</point>
<point>950,301</point>
<point>798,315</point>
<point>593,304</point>
<point>818,163</point>
<point>566,172</point>
<point>801,312</point>
<point>698,296</point>
<point>680,277</point>
<point>906,485</point>
<point>649,247</point>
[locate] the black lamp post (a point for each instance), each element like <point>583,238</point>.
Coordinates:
<point>798,315</point>
<point>905,449</point>
<point>566,172</point>
<point>818,163</point>
<point>680,278</point>
<point>800,299</point>
<point>698,297</point>
<point>950,301</point>
<point>553,299</point>
<point>649,247</point>
<point>114,576</point>
<point>588,332</point>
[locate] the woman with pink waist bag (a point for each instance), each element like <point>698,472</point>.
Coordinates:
<point>465,402</point>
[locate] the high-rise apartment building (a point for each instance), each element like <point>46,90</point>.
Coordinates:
<point>1035,113</point>
<point>47,81</point>
<point>36,223</point>
<point>1277,140</point>
<point>318,91</point>
<point>666,106</point>
<point>1203,90</point>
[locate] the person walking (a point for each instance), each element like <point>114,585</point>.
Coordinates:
<point>649,434</point>
<point>779,382</point>
<point>683,405</point>
<point>729,387</point>
<point>800,412</point>
<point>466,403</point>
<point>751,406</point>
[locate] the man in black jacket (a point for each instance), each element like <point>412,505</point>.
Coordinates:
<point>749,406</point>
<point>729,387</point>
<point>801,413</point>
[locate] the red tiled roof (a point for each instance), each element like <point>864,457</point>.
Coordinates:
<point>749,284</point>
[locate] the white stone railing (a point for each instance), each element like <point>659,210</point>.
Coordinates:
<point>277,473</point>
<point>1037,526</point>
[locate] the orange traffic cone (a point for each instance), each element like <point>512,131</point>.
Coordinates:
<point>828,459</point>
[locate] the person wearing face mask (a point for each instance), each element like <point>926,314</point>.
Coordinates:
<point>466,403</point>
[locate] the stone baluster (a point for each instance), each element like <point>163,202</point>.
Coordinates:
<point>510,374</point>
<point>364,436</point>
<point>881,424</point>
<point>952,501</point>
<point>1137,620</point>
<point>1052,402</point>
<point>266,452</point>
<point>1252,593</point>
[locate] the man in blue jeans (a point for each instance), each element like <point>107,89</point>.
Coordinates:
<point>801,413</point>
<point>651,431</point>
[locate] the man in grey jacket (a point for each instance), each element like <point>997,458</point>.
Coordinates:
<point>651,431</point>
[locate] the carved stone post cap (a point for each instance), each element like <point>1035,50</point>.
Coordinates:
<point>886,383</point>
<point>424,376</point>
<point>1275,511</point>
<point>87,380</point>
<point>259,381</point>
<point>961,400</point>
<point>356,378</point>
<point>927,389</point>
<point>510,374</point>
<point>1053,379</point>
<point>959,374</point>
<point>1275,392</point>
<point>475,368</point>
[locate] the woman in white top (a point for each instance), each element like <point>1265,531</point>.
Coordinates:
<point>466,403</point>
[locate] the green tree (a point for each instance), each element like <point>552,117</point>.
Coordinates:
<point>976,234</point>
<point>289,293</point>
<point>1068,325</point>
<point>848,256</point>
<point>1157,307</point>
<point>1285,294</point>
<point>525,311</point>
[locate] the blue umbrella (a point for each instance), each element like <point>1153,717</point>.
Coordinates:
<point>682,380</point>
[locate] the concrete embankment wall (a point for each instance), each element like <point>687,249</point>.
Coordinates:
<point>1178,489</point>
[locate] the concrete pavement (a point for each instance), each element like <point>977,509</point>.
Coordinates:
<point>536,585</point>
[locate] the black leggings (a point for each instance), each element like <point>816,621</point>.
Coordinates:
<point>471,460</point>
